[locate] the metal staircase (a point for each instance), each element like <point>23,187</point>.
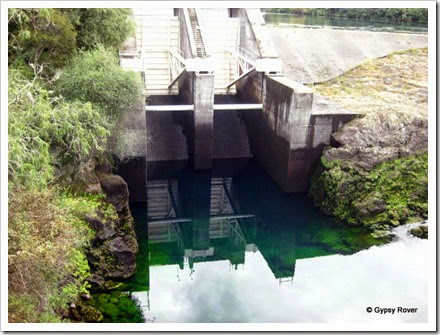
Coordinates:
<point>201,52</point>
<point>157,35</point>
<point>155,52</point>
<point>221,33</point>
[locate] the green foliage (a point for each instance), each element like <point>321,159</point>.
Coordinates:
<point>42,126</point>
<point>40,36</point>
<point>101,26</point>
<point>46,260</point>
<point>81,204</point>
<point>95,76</point>
<point>50,134</point>
<point>391,193</point>
<point>116,306</point>
<point>378,14</point>
<point>49,37</point>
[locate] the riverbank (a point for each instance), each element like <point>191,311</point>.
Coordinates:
<point>376,172</point>
<point>318,55</point>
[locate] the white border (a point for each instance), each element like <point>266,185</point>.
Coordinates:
<point>432,294</point>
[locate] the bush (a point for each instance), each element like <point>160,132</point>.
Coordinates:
<point>43,127</point>
<point>96,76</point>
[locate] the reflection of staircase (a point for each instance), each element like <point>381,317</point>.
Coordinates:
<point>220,205</point>
<point>160,206</point>
<point>219,229</point>
<point>196,32</point>
<point>159,199</point>
<point>160,232</point>
<point>219,200</point>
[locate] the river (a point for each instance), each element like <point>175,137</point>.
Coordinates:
<point>342,23</point>
<point>230,246</point>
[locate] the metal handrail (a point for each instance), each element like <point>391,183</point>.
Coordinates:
<point>249,54</point>
<point>190,33</point>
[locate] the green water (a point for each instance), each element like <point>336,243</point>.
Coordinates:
<point>317,21</point>
<point>274,258</point>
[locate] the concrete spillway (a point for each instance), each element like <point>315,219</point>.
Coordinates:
<point>316,55</point>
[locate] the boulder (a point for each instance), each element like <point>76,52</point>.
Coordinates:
<point>94,221</point>
<point>421,231</point>
<point>115,258</point>
<point>116,190</point>
<point>86,179</point>
<point>379,137</point>
<point>90,314</point>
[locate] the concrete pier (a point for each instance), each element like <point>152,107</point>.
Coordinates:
<point>203,120</point>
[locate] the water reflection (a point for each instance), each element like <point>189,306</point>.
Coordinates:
<point>201,217</point>
<point>230,246</point>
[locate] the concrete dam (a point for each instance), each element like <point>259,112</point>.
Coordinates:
<point>216,91</point>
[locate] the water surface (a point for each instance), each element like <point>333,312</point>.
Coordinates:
<point>318,21</point>
<point>230,246</point>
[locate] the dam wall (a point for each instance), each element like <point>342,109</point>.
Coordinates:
<point>193,117</point>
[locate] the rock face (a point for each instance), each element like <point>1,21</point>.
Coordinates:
<point>376,173</point>
<point>378,138</point>
<point>114,247</point>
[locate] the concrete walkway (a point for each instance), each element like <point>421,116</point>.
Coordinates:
<point>315,55</point>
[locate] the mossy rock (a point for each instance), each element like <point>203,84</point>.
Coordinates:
<point>90,313</point>
<point>391,193</point>
<point>102,299</point>
<point>421,231</point>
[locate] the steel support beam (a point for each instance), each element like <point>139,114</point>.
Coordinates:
<point>184,108</point>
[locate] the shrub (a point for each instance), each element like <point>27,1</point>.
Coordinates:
<point>42,126</point>
<point>47,266</point>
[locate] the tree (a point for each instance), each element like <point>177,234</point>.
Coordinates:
<point>40,36</point>
<point>101,26</point>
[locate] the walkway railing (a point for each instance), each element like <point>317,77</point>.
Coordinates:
<point>177,65</point>
<point>242,63</point>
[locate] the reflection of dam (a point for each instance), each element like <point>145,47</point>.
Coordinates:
<point>197,218</point>
<point>193,217</point>
<point>211,230</point>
